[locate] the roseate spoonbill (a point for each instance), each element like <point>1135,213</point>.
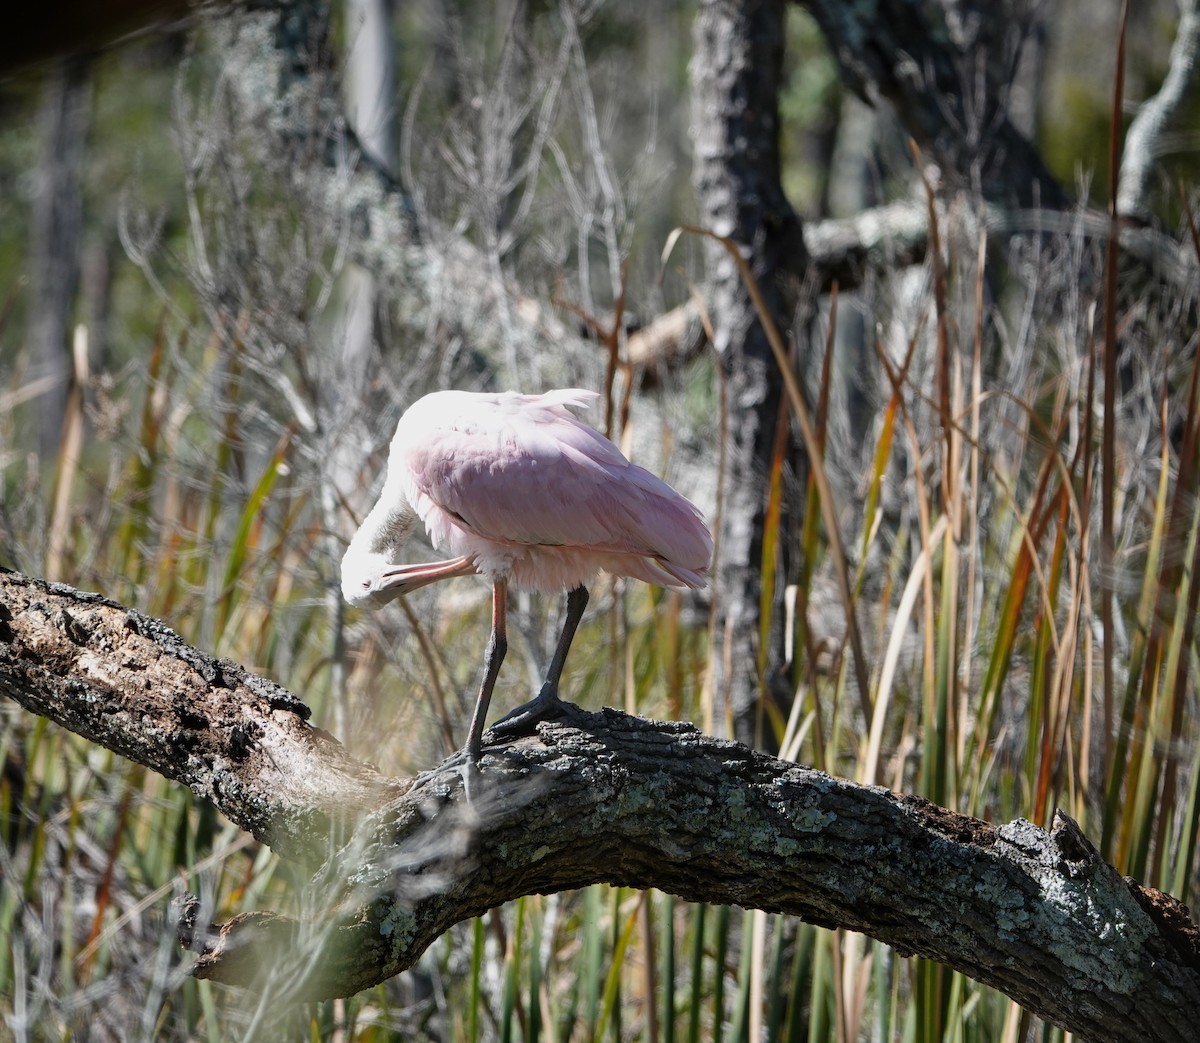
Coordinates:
<point>521,492</point>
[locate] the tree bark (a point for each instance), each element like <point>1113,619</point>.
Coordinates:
<point>591,797</point>
<point>736,77</point>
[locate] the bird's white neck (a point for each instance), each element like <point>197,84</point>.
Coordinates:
<point>377,543</point>
<point>385,529</point>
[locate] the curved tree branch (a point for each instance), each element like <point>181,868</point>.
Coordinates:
<point>592,797</point>
<point>128,683</point>
<point>1144,145</point>
<point>944,90</point>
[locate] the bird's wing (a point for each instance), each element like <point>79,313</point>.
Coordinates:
<point>528,472</point>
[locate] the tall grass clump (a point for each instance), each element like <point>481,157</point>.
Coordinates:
<point>976,578</point>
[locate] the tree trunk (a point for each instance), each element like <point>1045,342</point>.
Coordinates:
<point>371,101</point>
<point>57,229</point>
<point>736,77</point>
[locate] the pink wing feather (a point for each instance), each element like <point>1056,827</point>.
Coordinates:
<point>519,482</point>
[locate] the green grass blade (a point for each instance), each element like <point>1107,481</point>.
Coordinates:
<point>475,985</point>
<point>666,976</point>
<point>609,1011</point>
<point>245,535</point>
<point>740,1022</point>
<point>696,984</point>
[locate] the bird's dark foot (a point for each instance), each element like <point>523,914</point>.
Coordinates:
<point>464,763</point>
<point>544,706</point>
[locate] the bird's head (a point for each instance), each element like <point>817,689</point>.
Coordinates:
<point>369,572</point>
<point>370,580</point>
<point>364,579</point>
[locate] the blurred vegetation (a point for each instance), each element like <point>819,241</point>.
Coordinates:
<point>196,491</point>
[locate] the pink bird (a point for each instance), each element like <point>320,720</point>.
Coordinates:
<point>521,492</point>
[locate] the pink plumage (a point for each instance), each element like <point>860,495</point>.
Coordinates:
<point>521,491</point>
<point>528,491</point>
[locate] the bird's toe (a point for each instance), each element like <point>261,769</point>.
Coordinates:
<point>546,705</point>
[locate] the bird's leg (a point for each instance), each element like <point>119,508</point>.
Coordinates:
<point>497,647</point>
<point>577,600</point>
<point>547,696</point>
